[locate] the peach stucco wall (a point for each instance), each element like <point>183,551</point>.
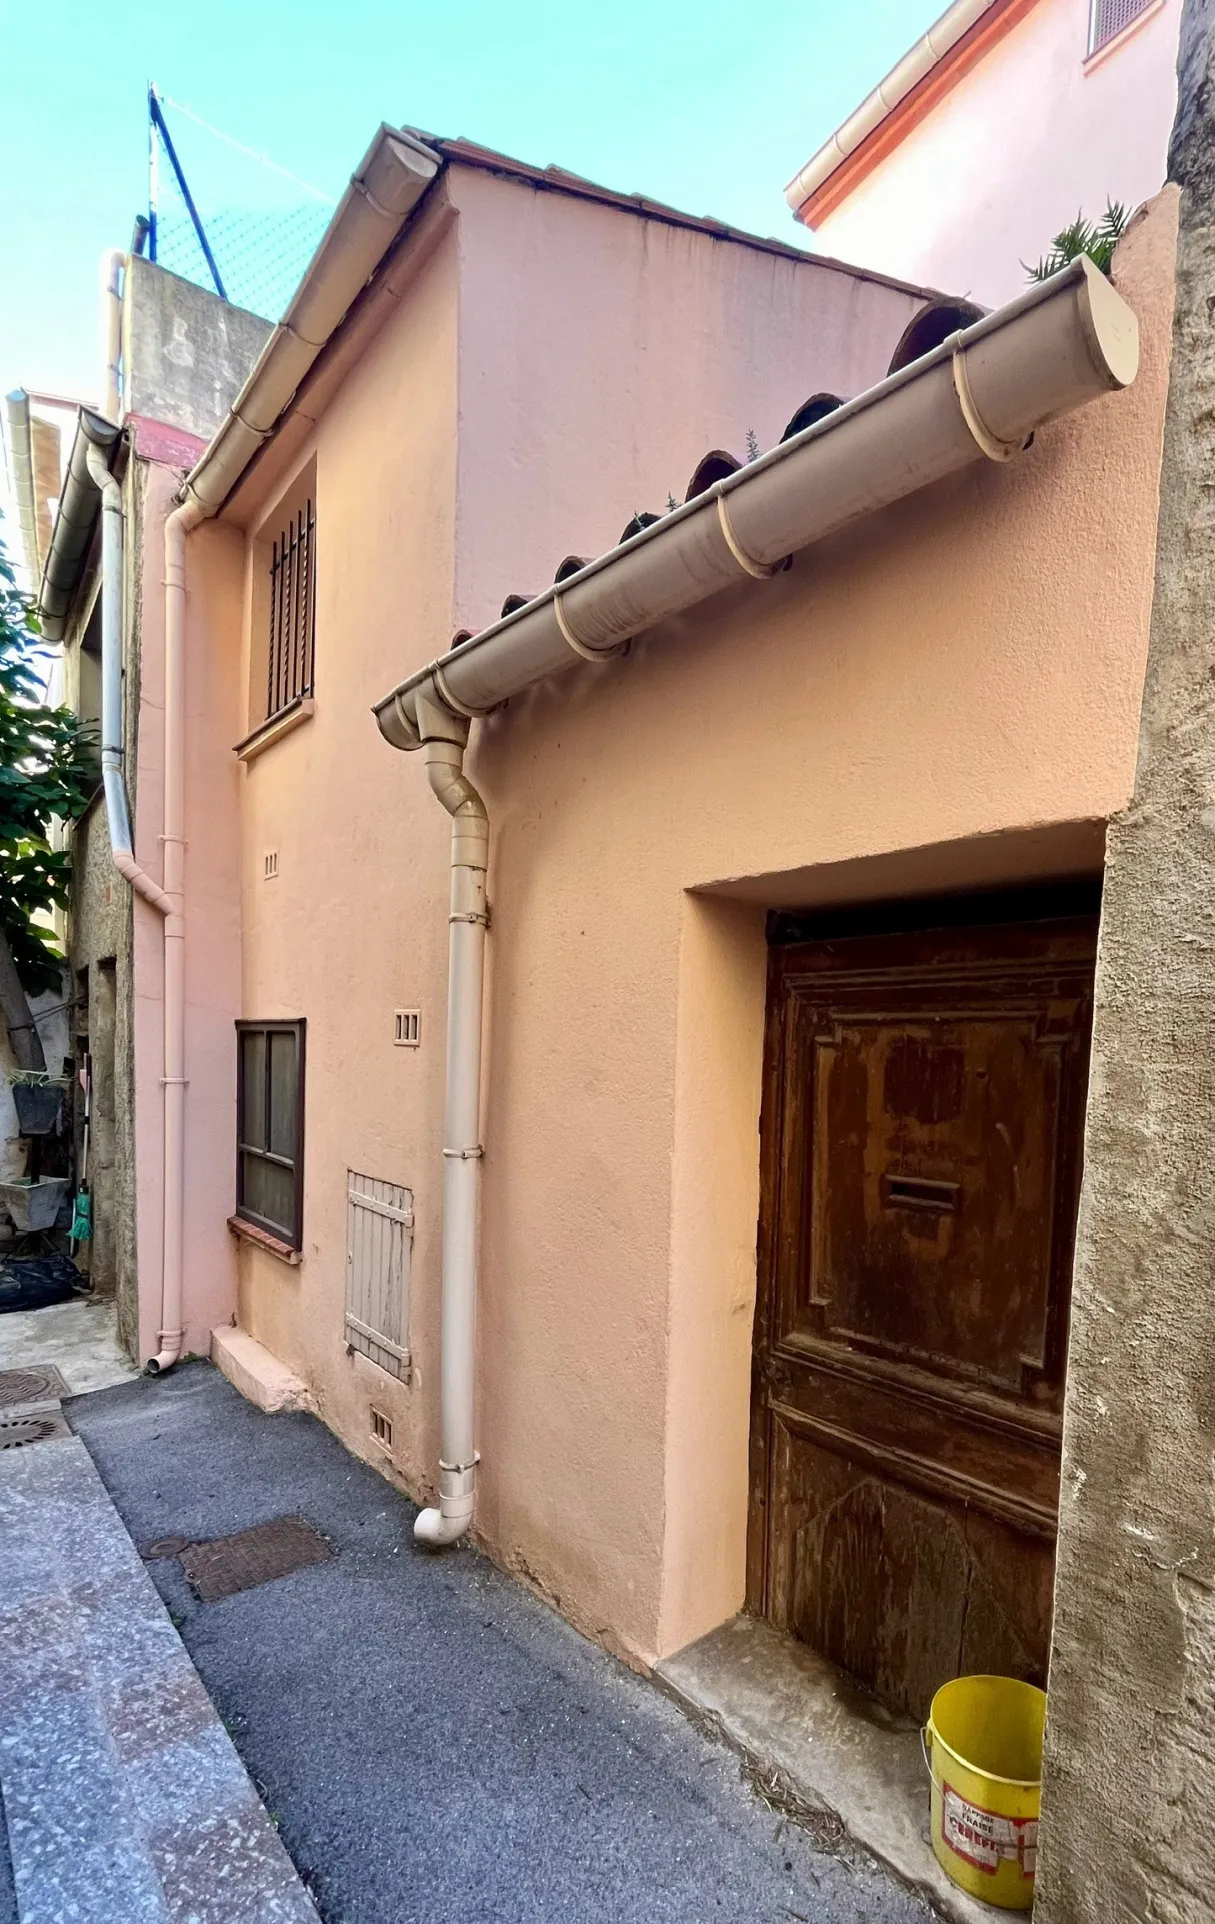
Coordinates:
<point>962,667</point>
<point>1032,135</point>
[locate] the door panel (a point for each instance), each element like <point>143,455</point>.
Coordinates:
<point>922,1126</point>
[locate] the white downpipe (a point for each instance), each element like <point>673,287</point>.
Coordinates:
<point>169,900</point>
<point>112,265</point>
<point>444,738</point>
<point>113,778</point>
<point>177,527</point>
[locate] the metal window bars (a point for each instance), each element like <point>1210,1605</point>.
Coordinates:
<point>292,613</point>
<point>1107,19</point>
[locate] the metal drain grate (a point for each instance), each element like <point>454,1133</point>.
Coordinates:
<point>37,1383</point>
<point>31,1426</point>
<point>228,1564</point>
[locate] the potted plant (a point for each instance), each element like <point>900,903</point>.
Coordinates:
<point>38,1099</point>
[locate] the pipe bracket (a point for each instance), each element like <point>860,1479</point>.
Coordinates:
<point>748,563</point>
<point>460,1469</point>
<point>580,647</point>
<point>453,701</point>
<point>991,444</point>
<point>465,1155</point>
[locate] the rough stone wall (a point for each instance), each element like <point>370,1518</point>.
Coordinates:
<point>1129,1810</point>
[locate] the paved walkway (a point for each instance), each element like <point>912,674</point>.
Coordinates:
<point>123,1795</point>
<point>433,1743</point>
<point>80,1338</point>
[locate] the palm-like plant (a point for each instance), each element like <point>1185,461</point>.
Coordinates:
<point>1096,238</point>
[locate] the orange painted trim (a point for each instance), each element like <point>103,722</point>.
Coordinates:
<point>890,133</point>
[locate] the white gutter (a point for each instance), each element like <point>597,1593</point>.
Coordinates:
<point>394,175</point>
<point>980,395</point>
<point>911,69</point>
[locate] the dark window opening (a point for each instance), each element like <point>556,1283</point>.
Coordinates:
<point>270,1128</point>
<point>292,612</point>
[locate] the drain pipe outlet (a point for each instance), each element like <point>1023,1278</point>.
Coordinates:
<point>444,738</point>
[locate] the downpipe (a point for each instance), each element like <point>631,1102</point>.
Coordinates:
<point>169,901</point>
<point>445,737</point>
<point>178,525</point>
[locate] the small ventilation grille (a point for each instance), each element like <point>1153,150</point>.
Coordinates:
<point>407,1028</point>
<point>1109,17</point>
<point>379,1246</point>
<point>270,864</point>
<point>381,1428</point>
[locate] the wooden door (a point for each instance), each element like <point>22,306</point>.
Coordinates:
<point>922,1136</point>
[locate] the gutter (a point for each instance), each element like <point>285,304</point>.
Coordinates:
<point>980,395</point>
<point>394,175</point>
<point>72,535</point>
<point>914,67</point>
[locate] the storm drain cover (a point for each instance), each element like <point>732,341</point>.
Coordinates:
<point>228,1564</point>
<point>37,1383</point>
<point>19,1427</point>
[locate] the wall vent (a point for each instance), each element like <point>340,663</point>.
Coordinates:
<point>270,865</point>
<point>407,1024</point>
<point>379,1248</point>
<point>381,1427</point>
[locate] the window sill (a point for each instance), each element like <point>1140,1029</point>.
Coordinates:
<point>1101,54</point>
<point>284,723</point>
<point>273,1245</point>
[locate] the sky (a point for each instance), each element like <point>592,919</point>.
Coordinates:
<point>707,105</point>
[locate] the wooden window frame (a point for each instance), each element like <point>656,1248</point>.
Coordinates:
<point>298,1029</point>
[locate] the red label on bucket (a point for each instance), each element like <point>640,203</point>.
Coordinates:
<point>985,1839</point>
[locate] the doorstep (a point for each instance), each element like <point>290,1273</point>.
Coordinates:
<point>795,1716</point>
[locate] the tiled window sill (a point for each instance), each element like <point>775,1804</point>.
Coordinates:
<point>284,723</point>
<point>262,1239</point>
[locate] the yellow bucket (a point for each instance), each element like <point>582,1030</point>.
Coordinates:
<point>983,1747</point>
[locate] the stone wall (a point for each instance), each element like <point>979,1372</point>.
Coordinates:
<point>1129,1815</point>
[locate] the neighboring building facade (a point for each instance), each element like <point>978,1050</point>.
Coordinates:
<point>184,355</point>
<point>1000,125</point>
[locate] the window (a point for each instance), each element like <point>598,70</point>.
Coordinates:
<point>270,1128</point>
<point>292,611</point>
<point>1108,18</point>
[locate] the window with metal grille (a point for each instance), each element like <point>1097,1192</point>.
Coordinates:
<point>1108,18</point>
<point>379,1247</point>
<point>292,611</point>
<point>270,1128</point>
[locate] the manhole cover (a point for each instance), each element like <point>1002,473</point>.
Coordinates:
<point>39,1383</point>
<point>228,1564</point>
<point>30,1426</point>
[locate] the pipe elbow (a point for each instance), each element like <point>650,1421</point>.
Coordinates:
<point>164,1359</point>
<point>434,1531</point>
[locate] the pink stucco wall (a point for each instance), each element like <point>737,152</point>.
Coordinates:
<point>939,692</point>
<point>1032,135</point>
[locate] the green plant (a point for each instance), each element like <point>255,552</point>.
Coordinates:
<point>48,770</point>
<point>1097,239</point>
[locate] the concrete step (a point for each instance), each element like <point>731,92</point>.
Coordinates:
<point>124,1796</point>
